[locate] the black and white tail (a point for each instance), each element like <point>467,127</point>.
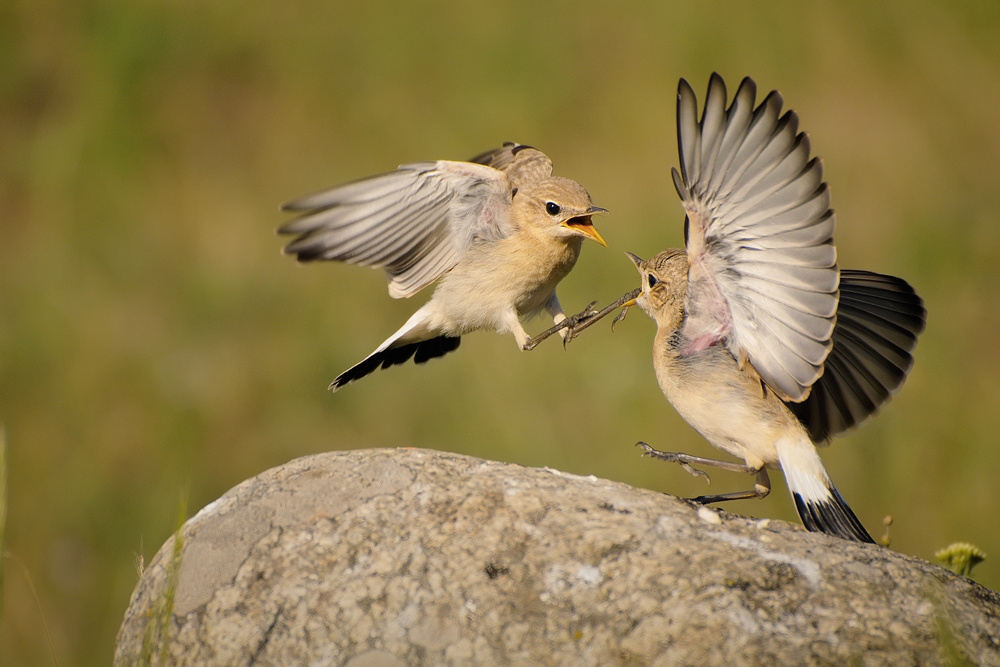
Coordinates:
<point>832,516</point>
<point>819,504</point>
<point>414,339</point>
<point>394,356</point>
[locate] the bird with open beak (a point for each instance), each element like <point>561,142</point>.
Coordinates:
<point>763,344</point>
<point>499,231</point>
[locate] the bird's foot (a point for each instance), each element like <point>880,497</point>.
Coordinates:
<point>567,328</point>
<point>574,324</point>
<point>672,457</point>
<point>570,331</point>
<point>756,492</point>
<point>626,302</point>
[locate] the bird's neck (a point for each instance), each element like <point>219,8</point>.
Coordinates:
<point>557,253</point>
<point>669,315</point>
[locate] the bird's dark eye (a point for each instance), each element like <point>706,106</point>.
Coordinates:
<point>552,208</point>
<point>652,281</point>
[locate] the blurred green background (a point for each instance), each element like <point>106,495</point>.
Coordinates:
<point>153,341</point>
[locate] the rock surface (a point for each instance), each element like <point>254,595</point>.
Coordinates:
<point>416,557</point>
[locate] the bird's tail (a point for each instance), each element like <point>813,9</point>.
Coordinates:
<point>414,339</point>
<point>819,504</point>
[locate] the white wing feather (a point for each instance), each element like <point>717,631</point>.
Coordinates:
<point>763,273</point>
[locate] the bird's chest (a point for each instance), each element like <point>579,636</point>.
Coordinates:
<point>727,405</point>
<point>522,274</point>
<point>513,275</point>
<point>536,275</point>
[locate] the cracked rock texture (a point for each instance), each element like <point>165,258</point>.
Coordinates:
<point>417,557</point>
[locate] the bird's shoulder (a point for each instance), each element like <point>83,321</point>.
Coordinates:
<point>521,164</point>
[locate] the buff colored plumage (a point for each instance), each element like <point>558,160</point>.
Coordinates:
<point>499,232</point>
<point>764,345</point>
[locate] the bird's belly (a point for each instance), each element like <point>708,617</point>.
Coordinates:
<point>487,289</point>
<point>727,406</point>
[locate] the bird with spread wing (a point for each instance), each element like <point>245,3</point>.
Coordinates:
<point>763,344</point>
<point>499,231</point>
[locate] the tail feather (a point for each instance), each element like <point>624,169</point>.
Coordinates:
<point>420,337</point>
<point>422,351</point>
<point>819,504</point>
<point>832,516</point>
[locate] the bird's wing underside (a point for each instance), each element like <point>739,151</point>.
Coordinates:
<point>763,271</point>
<point>415,222</point>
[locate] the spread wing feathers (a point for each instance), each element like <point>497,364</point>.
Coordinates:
<point>415,222</point>
<point>522,164</point>
<point>878,322</point>
<point>759,232</point>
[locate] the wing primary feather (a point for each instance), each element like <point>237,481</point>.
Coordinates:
<point>712,130</point>
<point>738,120</point>
<point>688,134</point>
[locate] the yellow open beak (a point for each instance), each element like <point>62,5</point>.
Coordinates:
<point>582,225</point>
<point>637,261</point>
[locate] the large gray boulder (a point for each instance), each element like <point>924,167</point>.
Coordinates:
<point>417,557</point>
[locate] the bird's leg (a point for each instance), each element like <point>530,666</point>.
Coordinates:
<point>580,321</point>
<point>686,459</point>
<point>601,314</point>
<point>566,327</point>
<point>759,490</point>
<point>520,335</point>
<point>558,316</point>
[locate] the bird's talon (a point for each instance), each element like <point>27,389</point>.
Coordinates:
<point>619,318</point>
<point>694,472</point>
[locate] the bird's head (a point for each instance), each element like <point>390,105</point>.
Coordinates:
<point>664,285</point>
<point>559,206</point>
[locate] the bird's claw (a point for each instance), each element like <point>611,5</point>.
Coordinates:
<point>569,330</point>
<point>671,457</point>
<point>694,472</point>
<point>619,317</point>
<point>570,327</point>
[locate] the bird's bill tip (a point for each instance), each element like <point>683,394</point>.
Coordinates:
<point>635,259</point>
<point>583,226</point>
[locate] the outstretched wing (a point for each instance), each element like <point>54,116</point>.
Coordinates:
<point>878,322</point>
<point>759,232</point>
<point>522,164</point>
<point>415,222</point>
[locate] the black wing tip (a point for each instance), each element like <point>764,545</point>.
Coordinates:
<point>748,84</point>
<point>716,83</point>
<point>421,352</point>
<point>684,88</point>
<point>833,517</point>
<point>302,251</point>
<point>486,158</point>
